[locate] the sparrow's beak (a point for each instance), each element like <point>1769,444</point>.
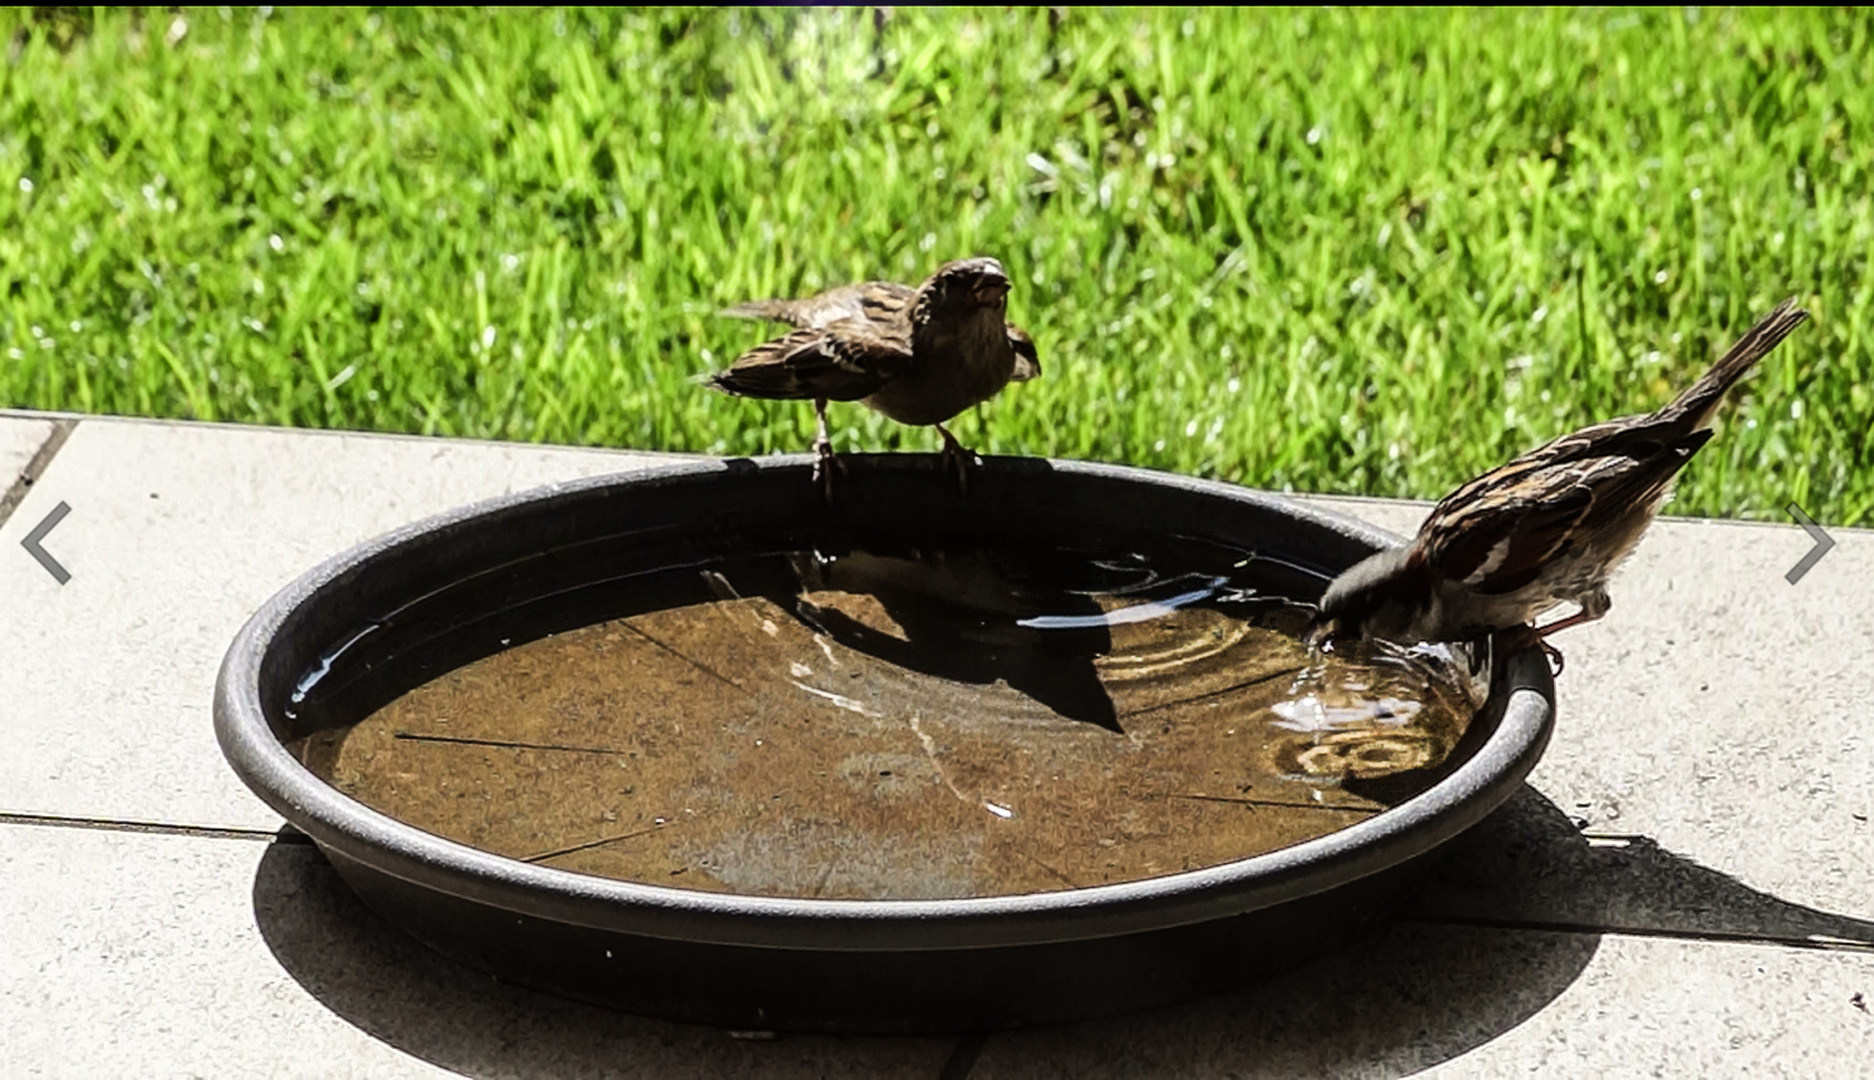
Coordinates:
<point>1323,630</point>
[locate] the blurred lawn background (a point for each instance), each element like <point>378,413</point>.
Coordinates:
<point>1351,251</point>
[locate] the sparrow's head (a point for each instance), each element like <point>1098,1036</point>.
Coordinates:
<point>1027,360</point>
<point>1383,595</point>
<point>968,283</point>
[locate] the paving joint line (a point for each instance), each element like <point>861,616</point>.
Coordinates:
<point>1820,942</point>
<point>211,832</point>
<point>41,461</point>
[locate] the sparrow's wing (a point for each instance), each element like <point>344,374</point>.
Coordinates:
<point>1495,533</point>
<point>1510,523</point>
<point>880,301</point>
<point>1515,520</point>
<point>1596,486</point>
<point>1626,436</point>
<point>1627,486</point>
<point>845,360</point>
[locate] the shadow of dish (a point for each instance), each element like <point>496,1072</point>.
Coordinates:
<point>1504,923</point>
<point>1527,866</point>
<point>398,991</point>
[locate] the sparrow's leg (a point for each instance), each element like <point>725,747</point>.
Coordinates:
<point>1593,606</point>
<point>823,446</point>
<point>957,456</point>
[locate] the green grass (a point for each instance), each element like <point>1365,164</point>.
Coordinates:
<point>1353,251</point>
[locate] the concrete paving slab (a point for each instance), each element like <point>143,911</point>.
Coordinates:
<point>20,438</point>
<point>125,942</point>
<point>149,955</point>
<point>177,532</point>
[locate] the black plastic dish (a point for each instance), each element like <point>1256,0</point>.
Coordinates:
<point>444,592</point>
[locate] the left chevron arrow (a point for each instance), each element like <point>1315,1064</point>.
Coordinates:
<point>38,535</point>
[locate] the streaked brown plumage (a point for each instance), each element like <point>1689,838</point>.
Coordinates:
<point>918,356</point>
<point>1547,528</point>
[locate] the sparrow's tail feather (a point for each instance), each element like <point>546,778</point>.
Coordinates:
<point>772,310</point>
<point>1702,399</point>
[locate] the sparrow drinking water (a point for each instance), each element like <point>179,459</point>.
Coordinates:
<point>1547,528</point>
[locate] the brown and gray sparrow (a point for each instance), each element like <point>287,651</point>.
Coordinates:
<point>1547,528</point>
<point>918,356</point>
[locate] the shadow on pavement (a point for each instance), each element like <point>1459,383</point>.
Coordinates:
<point>1503,925</point>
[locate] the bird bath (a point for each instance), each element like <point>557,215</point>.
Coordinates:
<point>691,742</point>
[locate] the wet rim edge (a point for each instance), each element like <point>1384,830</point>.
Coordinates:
<point>389,846</point>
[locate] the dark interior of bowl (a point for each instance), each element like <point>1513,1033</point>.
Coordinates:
<point>973,921</point>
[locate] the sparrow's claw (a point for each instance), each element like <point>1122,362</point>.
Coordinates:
<point>825,466</point>
<point>958,457</point>
<point>1522,637</point>
<point>1555,658</point>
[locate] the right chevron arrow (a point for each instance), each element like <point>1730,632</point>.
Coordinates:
<point>1823,542</point>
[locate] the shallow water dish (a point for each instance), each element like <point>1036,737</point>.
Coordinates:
<point>370,626</point>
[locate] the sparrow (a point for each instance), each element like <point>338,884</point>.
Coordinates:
<point>1547,528</point>
<point>919,356</point>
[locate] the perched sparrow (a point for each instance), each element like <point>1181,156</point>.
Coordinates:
<point>919,356</point>
<point>1549,527</point>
